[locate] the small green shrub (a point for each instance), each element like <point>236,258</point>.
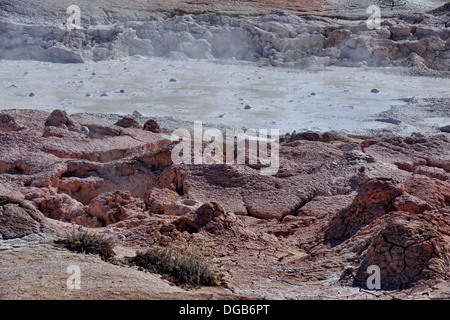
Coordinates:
<point>88,242</point>
<point>183,263</point>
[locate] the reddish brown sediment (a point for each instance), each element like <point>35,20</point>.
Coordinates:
<point>336,206</point>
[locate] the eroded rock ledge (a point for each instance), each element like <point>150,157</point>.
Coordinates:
<point>278,39</point>
<point>336,206</point>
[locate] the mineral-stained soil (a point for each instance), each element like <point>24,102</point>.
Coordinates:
<point>337,205</point>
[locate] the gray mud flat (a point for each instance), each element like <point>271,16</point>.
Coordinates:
<point>236,95</point>
<point>275,71</point>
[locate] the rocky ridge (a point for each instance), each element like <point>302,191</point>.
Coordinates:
<point>279,39</point>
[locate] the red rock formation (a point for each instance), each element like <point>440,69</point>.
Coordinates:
<point>406,251</point>
<point>153,126</point>
<point>337,204</point>
<point>373,200</point>
<point>8,123</point>
<point>127,122</point>
<point>18,218</point>
<point>112,207</point>
<point>211,218</point>
<point>59,118</point>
